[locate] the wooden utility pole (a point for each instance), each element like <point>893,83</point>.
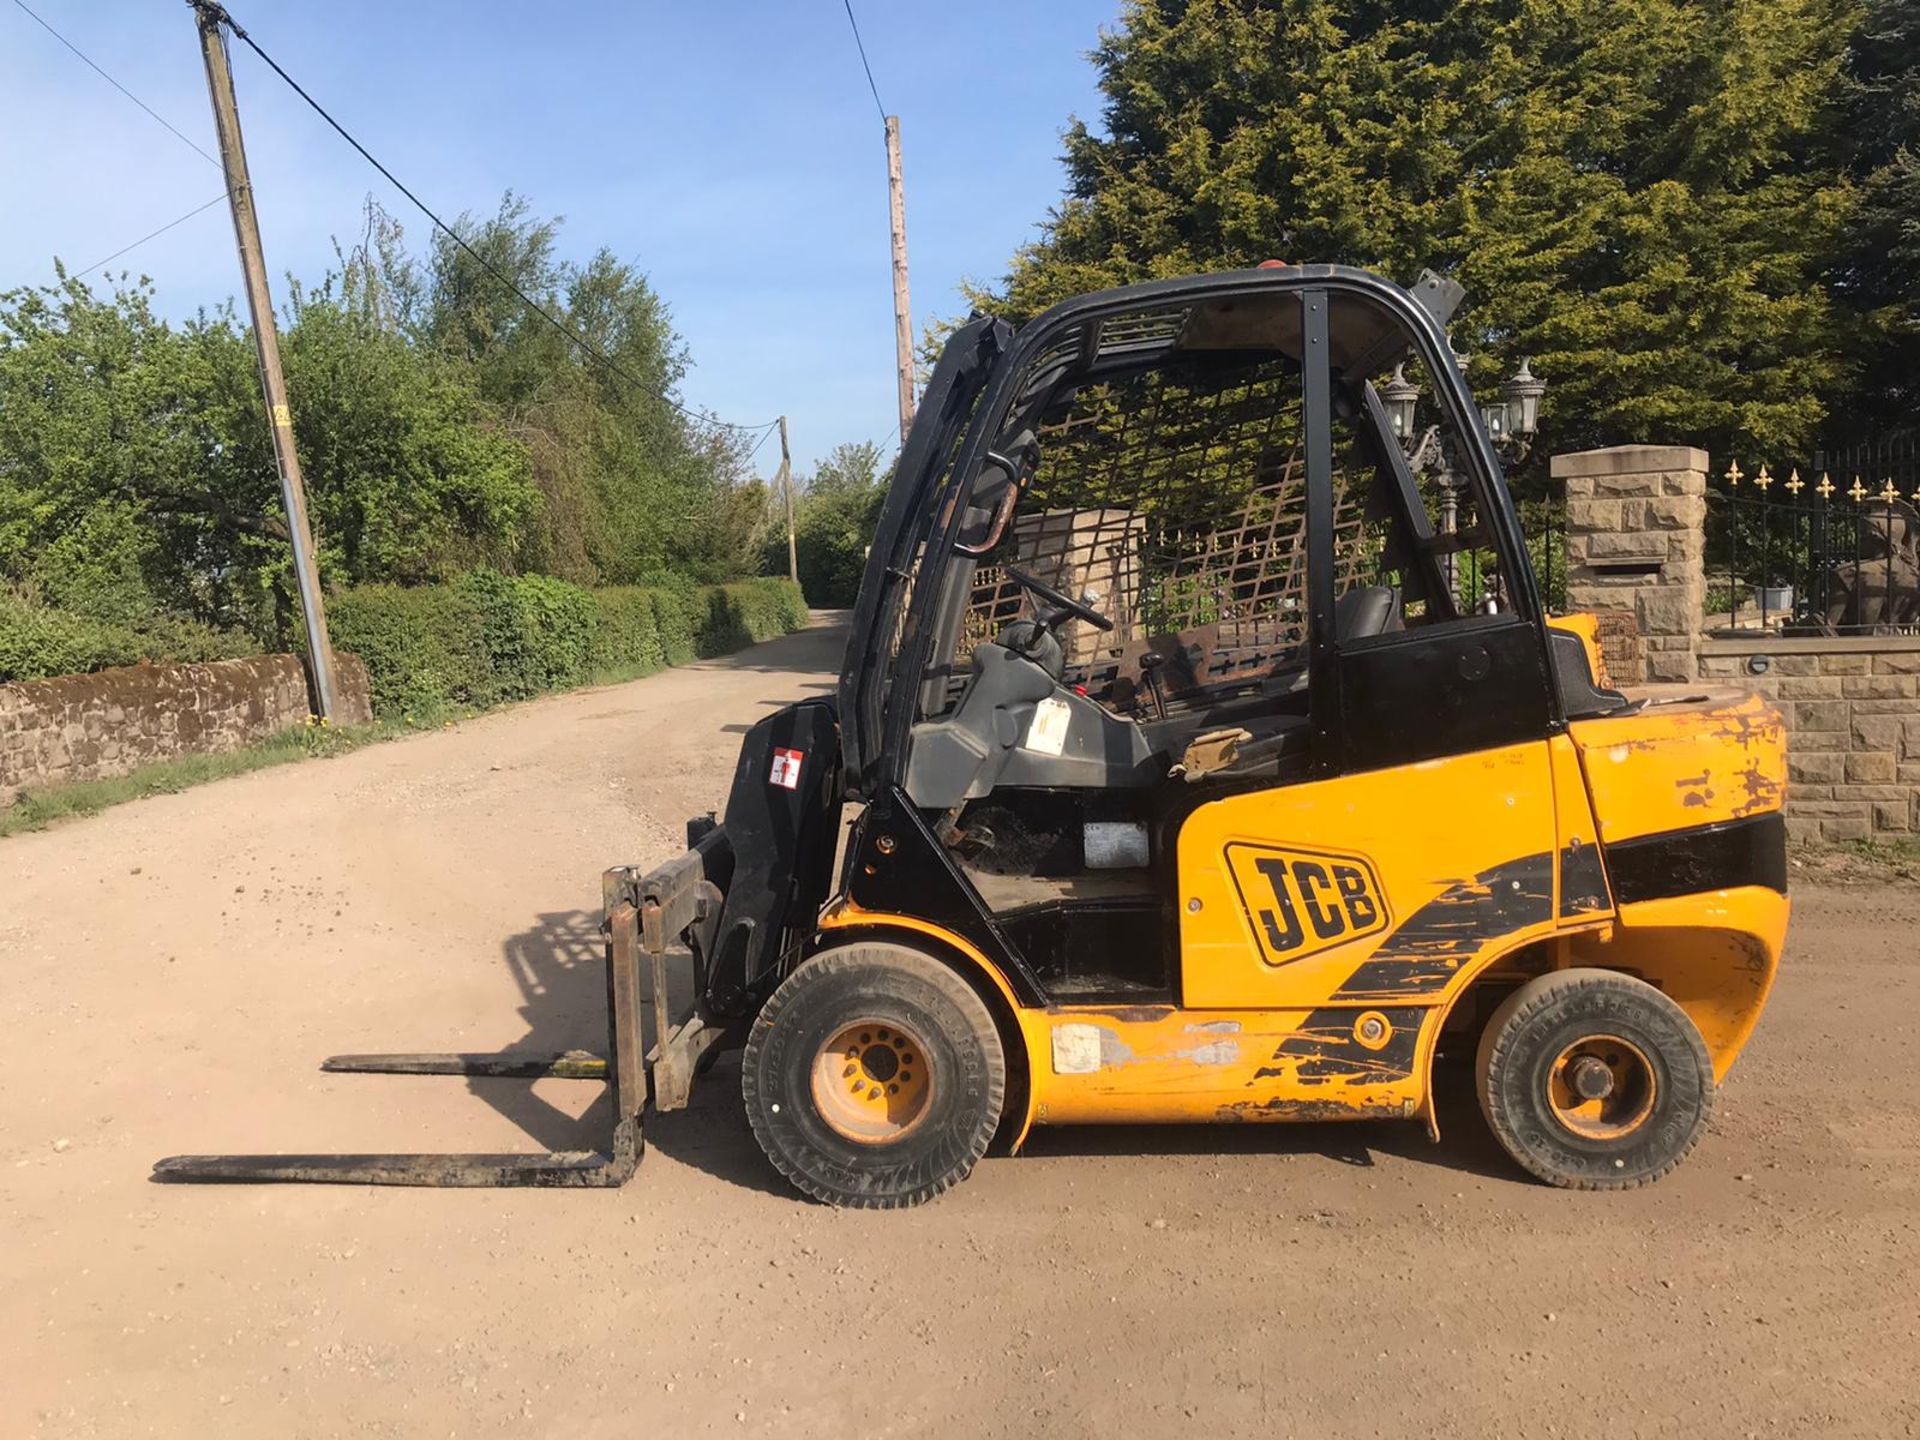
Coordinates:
<point>253,265</point>
<point>902,314</point>
<point>786,487</point>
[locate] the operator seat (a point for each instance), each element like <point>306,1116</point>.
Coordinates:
<point>1367,610</point>
<point>1278,705</point>
<point>1037,643</point>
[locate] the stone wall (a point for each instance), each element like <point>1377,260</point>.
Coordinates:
<point>91,727</point>
<point>1636,546</point>
<point>1852,707</point>
<point>1636,554</point>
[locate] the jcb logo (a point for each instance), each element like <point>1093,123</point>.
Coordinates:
<point>1301,902</point>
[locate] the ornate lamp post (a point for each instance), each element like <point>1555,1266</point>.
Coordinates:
<point>1400,396</point>
<point>1521,392</point>
<point>1511,424</point>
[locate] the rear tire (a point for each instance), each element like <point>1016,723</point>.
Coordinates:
<point>873,1077</point>
<point>1594,1080</point>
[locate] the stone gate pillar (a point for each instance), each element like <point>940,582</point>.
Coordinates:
<point>1636,554</point>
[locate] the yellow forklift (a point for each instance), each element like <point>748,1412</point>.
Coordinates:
<point>1205,762</point>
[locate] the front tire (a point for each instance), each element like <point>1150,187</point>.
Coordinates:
<point>1594,1080</point>
<point>873,1077</point>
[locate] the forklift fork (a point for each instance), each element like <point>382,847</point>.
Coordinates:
<point>641,913</point>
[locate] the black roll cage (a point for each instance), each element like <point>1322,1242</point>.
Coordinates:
<point>877,711</point>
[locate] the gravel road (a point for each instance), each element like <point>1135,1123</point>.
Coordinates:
<point>174,969</point>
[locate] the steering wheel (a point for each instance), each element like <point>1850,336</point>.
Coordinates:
<point>1060,602</point>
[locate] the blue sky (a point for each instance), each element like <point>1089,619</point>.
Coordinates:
<point>730,150</point>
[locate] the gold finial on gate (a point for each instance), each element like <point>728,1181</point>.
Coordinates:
<point>1733,475</point>
<point>1889,492</point>
<point>1794,483</point>
<point>1762,480</point>
<point>1825,488</point>
<point>1858,491</point>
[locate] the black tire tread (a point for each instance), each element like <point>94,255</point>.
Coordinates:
<point>1496,1040</point>
<point>861,955</point>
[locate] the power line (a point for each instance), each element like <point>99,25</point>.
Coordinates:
<point>758,443</point>
<point>860,45</point>
<point>99,264</point>
<point>586,346</point>
<point>123,90</point>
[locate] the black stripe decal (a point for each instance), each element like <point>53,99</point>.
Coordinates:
<point>1325,1049</point>
<point>1583,881</point>
<point>1752,851</point>
<point>1423,954</point>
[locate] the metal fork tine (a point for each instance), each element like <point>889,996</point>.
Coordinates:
<point>570,1065</point>
<point>584,1169</point>
<point>624,1074</point>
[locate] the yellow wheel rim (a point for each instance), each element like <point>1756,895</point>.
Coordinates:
<point>1602,1087</point>
<point>872,1081</point>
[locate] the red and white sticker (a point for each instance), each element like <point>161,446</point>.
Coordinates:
<point>786,769</point>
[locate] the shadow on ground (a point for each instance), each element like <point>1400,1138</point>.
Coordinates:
<point>559,965</point>
<point>1465,1146</point>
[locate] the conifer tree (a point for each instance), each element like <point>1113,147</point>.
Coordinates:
<point>1880,265</point>
<point>1631,190</point>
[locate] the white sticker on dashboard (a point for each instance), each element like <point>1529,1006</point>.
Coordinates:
<point>1047,734</point>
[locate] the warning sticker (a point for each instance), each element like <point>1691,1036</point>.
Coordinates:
<point>1047,734</point>
<point>786,769</point>
<point>1076,1049</point>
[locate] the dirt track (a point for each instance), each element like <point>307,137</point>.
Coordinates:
<point>170,973</point>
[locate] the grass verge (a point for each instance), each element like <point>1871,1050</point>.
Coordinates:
<point>37,809</point>
<point>1858,862</point>
<point>735,617</point>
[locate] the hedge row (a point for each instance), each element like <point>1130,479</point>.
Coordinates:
<point>38,641</point>
<point>481,640</point>
<point>488,638</point>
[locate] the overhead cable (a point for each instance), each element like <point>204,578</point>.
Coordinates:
<point>586,346</point>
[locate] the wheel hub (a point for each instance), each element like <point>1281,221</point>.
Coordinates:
<point>1602,1087</point>
<point>1591,1078</point>
<point>872,1081</point>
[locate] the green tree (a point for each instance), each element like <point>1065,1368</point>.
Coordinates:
<point>632,487</point>
<point>137,475</point>
<point>410,476</point>
<point>101,490</point>
<point>834,519</point>
<point>442,427</point>
<point>1630,189</point>
<point>1879,271</point>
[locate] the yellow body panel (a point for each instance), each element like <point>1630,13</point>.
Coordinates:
<point>1690,757</point>
<point>1133,1064</point>
<point>1451,841</point>
<point>1716,954</point>
<point>1327,928</point>
<point>1285,1022</point>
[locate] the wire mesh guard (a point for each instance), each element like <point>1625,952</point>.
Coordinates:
<point>1176,500</point>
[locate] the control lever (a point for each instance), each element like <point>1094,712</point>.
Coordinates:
<point>1150,662</point>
